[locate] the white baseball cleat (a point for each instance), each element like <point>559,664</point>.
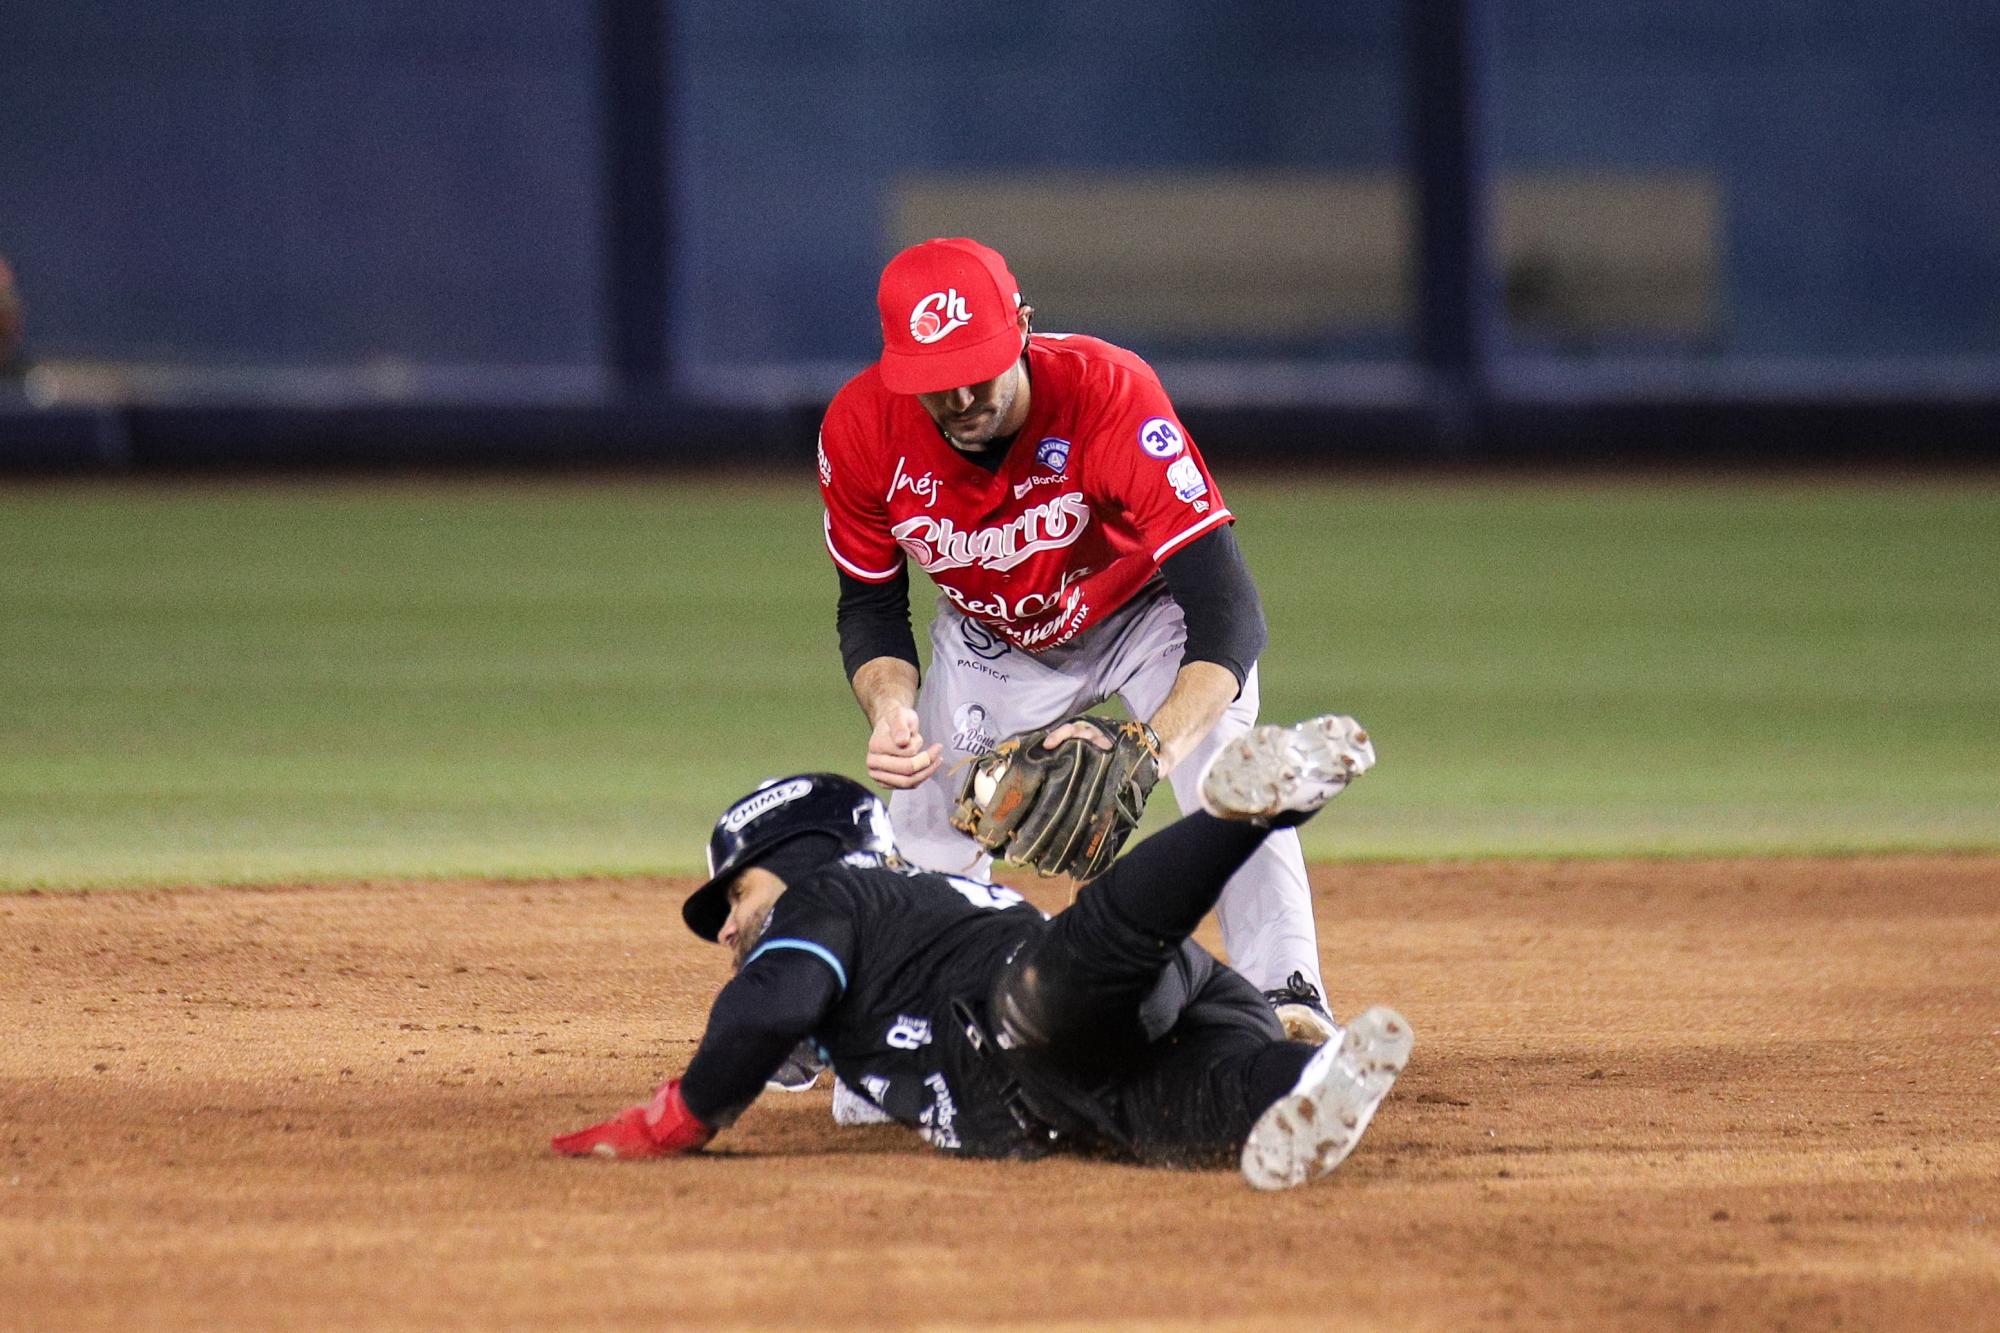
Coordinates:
<point>1281,775</point>
<point>1311,1129</point>
<point>1302,1022</point>
<point>851,1108</point>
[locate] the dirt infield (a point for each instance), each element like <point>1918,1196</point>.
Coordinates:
<point>1650,1095</point>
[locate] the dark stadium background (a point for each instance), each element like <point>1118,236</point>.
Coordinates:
<point>1553,231</point>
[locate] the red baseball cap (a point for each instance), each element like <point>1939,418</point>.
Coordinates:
<point>949,310</point>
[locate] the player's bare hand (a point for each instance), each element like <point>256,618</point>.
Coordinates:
<point>1072,729</point>
<point>897,756</point>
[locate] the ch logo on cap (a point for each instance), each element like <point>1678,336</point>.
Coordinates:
<point>938,314</point>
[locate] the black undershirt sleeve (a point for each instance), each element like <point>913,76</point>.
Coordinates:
<point>874,620</point>
<point>758,1018</point>
<point>1225,618</point>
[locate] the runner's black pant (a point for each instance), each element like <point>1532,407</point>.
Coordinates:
<point>1123,1031</point>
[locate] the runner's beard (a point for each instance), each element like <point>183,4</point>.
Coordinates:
<point>747,939</point>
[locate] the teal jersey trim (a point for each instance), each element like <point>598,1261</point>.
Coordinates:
<point>819,951</point>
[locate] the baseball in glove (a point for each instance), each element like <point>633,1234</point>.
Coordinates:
<point>1062,809</point>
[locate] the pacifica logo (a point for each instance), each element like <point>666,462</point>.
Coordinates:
<point>938,314</point>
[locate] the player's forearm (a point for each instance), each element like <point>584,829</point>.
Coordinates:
<point>1202,692</point>
<point>1218,598</point>
<point>885,683</point>
<point>758,1018</point>
<point>873,620</point>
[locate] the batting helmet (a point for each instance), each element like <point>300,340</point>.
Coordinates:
<point>778,811</point>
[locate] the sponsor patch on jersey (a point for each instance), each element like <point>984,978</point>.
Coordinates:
<point>981,641</point>
<point>925,488</point>
<point>936,1122</point>
<point>765,801</point>
<point>1161,438</point>
<point>937,315</point>
<point>1186,479</point>
<point>969,730</point>
<point>1021,488</point>
<point>1053,454</point>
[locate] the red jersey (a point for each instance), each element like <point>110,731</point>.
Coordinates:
<point>1101,484</point>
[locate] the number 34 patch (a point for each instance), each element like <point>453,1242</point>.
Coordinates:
<point>1184,475</point>
<point>1160,437</point>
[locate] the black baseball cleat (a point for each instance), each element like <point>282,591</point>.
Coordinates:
<point>1311,1129</point>
<point>1280,776</point>
<point>800,1071</point>
<point>1300,1009</point>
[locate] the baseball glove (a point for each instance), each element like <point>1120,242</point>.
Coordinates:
<point>1067,809</point>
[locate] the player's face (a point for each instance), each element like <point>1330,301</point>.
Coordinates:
<point>751,898</point>
<point>974,416</point>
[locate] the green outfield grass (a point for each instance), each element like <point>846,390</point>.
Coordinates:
<point>258,682</point>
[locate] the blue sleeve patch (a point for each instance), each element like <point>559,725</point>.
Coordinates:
<point>820,952</point>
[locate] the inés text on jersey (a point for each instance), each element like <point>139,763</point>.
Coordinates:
<point>938,543</point>
<point>925,488</point>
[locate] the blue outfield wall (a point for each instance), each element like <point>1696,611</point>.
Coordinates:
<point>1858,147</point>
<point>373,184</point>
<point>796,120</point>
<point>238,181</point>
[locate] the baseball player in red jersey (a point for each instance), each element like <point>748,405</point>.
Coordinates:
<point>1081,549</point>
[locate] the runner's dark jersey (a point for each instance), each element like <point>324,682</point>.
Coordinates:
<point>881,965</point>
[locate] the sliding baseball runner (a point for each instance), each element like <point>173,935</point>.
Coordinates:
<point>956,1009</point>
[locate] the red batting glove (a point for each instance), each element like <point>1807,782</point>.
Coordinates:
<point>662,1127</point>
